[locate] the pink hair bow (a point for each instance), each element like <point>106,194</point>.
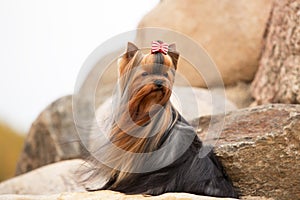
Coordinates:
<point>159,47</point>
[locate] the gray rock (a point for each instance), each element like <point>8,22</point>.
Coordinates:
<point>52,138</point>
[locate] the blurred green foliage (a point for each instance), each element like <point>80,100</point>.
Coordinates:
<point>11,144</point>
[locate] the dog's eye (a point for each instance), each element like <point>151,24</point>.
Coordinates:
<point>144,73</point>
<point>166,75</point>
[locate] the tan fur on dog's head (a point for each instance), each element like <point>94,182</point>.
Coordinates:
<point>147,79</point>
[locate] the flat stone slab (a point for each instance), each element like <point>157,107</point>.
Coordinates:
<point>105,195</point>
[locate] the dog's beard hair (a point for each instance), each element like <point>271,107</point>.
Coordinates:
<point>136,131</point>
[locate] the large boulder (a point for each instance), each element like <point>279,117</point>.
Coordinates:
<point>51,138</point>
<point>278,80</point>
<point>230,30</point>
<point>259,148</point>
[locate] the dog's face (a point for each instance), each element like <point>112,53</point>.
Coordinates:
<point>148,79</point>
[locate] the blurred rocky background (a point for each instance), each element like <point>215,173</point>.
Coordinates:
<point>256,47</point>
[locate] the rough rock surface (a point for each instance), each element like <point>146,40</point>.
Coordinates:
<point>260,149</point>
<point>52,137</point>
<point>230,30</point>
<point>278,80</point>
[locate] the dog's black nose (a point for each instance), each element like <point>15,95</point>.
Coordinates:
<point>159,83</point>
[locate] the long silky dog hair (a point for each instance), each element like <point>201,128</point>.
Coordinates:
<point>147,147</point>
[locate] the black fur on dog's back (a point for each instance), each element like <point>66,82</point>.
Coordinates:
<point>190,173</point>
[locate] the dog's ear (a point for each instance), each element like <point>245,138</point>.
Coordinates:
<point>131,50</point>
<point>173,54</point>
<point>172,47</point>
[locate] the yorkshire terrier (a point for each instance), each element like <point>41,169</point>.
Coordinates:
<point>149,147</point>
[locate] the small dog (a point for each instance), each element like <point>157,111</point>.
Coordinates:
<point>151,149</point>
